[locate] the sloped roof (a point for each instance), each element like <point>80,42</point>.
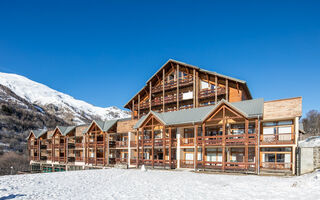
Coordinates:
<point>249,108</point>
<point>194,67</point>
<point>65,130</point>
<point>37,133</point>
<point>103,125</point>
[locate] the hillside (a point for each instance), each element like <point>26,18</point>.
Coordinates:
<point>26,105</point>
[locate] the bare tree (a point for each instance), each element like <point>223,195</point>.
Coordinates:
<point>311,123</point>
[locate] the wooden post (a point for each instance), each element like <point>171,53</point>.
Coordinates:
<point>65,149</point>
<point>164,145</point>
<point>53,148</point>
<point>95,146</point>
<point>152,139</point>
<point>133,112</point>
<point>170,143</point>
<point>178,80</point>
<point>108,147</point>
<point>223,138</point>
<point>216,90</point>
<point>246,150</point>
<point>227,90</point>
<point>139,106</point>
<point>257,145</point>
<point>104,147</point>
<point>142,145</point>
<point>150,93</point>
<point>197,89</point>
<point>194,88</point>
<point>137,163</point>
<point>195,157</point>
<point>163,92</point>
<point>203,145</point>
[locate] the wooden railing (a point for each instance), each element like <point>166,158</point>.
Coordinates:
<point>121,160</point>
<point>210,140</point>
<point>133,143</point>
<point>62,159</point>
<point>91,160</point>
<point>276,166</point>
<point>235,139</point>
<point>239,165</point>
<point>79,145</point>
<point>186,141</point>
<point>211,92</point>
<point>211,164</point>
<point>49,146</point>
<point>172,84</point>
<point>187,163</point>
<point>158,142</point>
<point>79,159</point>
<point>288,138</point>
<point>100,161</point>
<point>121,144</point>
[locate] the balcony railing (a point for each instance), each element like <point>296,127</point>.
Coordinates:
<point>100,161</point>
<point>288,138</point>
<point>276,166</point>
<point>121,160</point>
<point>79,159</point>
<point>79,145</point>
<point>121,144</point>
<point>186,141</point>
<point>187,163</point>
<point>211,92</point>
<point>187,80</point>
<point>133,143</point>
<point>235,139</point>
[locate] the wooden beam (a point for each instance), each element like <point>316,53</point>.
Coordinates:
<point>178,87</point>
<point>194,87</point>
<point>164,145</point>
<point>195,147</point>
<point>223,139</point>
<point>170,143</point>
<point>152,137</point>
<point>246,150</point>
<point>227,90</point>
<point>139,106</point>
<point>133,109</point>
<point>150,94</point>
<point>163,92</point>
<point>203,145</point>
<point>216,89</point>
<point>137,162</point>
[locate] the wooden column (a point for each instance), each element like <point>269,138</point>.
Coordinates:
<point>138,106</point>
<point>223,138</point>
<point>150,93</point>
<point>65,149</point>
<point>152,139</point>
<point>195,157</point>
<point>194,88</point>
<point>164,145</point>
<point>39,151</point>
<point>178,87</point>
<point>137,163</point>
<point>170,143</point>
<point>108,147</point>
<point>216,90</point>
<point>59,150</point>
<point>133,113</point>
<point>85,148</point>
<point>163,92</point>
<point>53,150</point>
<point>257,144</point>
<point>203,145</point>
<point>142,145</point>
<point>104,147</point>
<point>227,90</point>
<point>197,89</point>
<point>246,150</point>
<point>95,146</point>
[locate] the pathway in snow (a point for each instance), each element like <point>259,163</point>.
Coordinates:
<point>153,184</point>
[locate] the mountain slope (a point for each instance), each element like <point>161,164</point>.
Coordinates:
<point>61,105</point>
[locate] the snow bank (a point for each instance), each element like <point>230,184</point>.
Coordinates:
<point>136,184</point>
<point>313,141</point>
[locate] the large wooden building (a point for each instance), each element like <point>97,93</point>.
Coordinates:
<point>185,117</point>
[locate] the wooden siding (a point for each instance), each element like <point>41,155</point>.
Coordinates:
<point>283,108</point>
<point>126,126</point>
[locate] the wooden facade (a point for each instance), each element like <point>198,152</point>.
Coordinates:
<point>226,140</point>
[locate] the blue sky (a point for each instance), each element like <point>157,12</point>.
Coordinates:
<point>103,52</point>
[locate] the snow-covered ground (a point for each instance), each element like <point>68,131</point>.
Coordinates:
<point>153,184</point>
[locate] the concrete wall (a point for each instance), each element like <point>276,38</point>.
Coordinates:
<point>306,160</point>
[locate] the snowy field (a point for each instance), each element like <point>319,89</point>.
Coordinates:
<point>153,184</point>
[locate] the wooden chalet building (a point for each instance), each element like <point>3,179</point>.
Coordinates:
<point>184,117</point>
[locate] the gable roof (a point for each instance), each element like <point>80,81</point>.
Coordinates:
<point>194,67</point>
<point>37,133</point>
<point>65,130</point>
<point>249,108</point>
<point>103,125</point>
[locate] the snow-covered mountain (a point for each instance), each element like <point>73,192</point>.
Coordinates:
<point>48,100</point>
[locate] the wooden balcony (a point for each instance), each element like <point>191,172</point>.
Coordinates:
<point>121,160</point>
<point>186,163</point>
<point>122,144</point>
<point>210,140</point>
<point>211,92</point>
<point>288,138</point>
<point>186,141</point>
<point>235,139</point>
<point>276,165</point>
<point>79,159</point>
<point>240,166</point>
<point>34,146</point>
<point>158,142</point>
<point>188,80</point>
<point>79,145</point>
<point>49,146</point>
<point>91,160</point>
<point>100,161</point>
<point>133,143</point>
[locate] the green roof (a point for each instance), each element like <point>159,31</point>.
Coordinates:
<point>103,125</point>
<point>66,129</point>
<point>38,133</point>
<point>249,108</point>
